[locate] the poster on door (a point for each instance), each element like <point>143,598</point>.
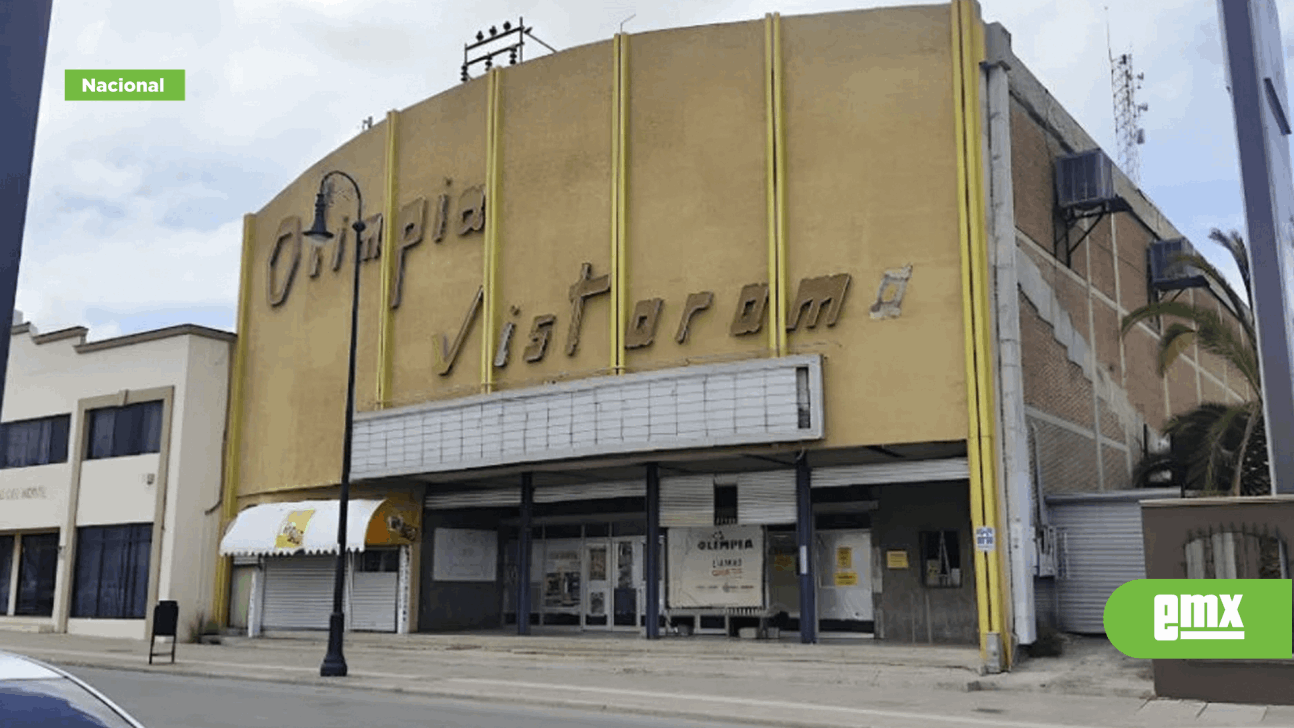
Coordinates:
<point>716,567</point>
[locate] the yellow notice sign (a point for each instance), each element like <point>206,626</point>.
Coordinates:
<point>844,557</point>
<point>784,562</point>
<point>846,578</point>
<point>293,531</point>
<point>896,559</point>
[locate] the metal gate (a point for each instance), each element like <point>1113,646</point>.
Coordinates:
<point>1100,549</point>
<point>298,591</point>
<point>373,601</point>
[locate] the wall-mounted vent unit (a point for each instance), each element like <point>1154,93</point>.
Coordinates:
<point>1085,180</point>
<point>1168,272</point>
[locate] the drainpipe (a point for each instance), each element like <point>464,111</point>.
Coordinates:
<point>1013,451</point>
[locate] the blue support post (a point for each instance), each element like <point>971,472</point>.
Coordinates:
<point>523,555</point>
<point>804,539</point>
<point>652,557</point>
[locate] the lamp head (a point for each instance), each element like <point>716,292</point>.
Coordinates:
<point>319,230</point>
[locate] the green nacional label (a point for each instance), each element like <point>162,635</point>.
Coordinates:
<point>81,85</point>
<point>1202,618</point>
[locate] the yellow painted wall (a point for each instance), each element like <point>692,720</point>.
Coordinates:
<point>555,208</point>
<point>442,137</point>
<point>294,378</point>
<point>696,185</point>
<point>873,186</point>
<point>870,184</point>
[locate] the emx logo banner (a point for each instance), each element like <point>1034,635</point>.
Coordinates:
<point>1202,618</point>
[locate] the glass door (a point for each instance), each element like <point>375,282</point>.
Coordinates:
<point>627,575</point>
<point>597,595</point>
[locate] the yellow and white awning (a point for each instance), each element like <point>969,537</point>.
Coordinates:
<point>310,527</point>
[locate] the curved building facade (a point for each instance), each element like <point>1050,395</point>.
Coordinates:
<point>686,331</point>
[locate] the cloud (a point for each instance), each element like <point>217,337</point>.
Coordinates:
<point>135,211</point>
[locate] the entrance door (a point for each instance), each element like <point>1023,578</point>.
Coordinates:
<point>597,596</point>
<point>626,577</point>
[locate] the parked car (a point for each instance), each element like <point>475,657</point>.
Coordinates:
<point>35,694</point>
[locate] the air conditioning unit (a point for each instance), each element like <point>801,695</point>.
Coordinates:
<point>1085,180</point>
<point>1168,272</point>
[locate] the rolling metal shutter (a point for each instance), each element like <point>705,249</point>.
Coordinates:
<point>687,501</point>
<point>1101,549</point>
<point>915,471</point>
<point>766,498</point>
<point>474,499</point>
<point>298,591</point>
<point>591,491</point>
<point>373,601</point>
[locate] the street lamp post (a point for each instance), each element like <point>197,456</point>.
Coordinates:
<point>334,663</point>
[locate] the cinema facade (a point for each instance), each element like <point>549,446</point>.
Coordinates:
<point>708,330</point>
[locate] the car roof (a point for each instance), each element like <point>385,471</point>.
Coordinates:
<point>17,667</point>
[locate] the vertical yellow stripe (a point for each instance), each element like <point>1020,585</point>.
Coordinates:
<point>389,242</point>
<point>770,170</point>
<point>1000,591</point>
<point>779,118</point>
<point>622,187</point>
<point>234,408</point>
<point>991,593</point>
<point>968,322</point>
<point>615,353</point>
<point>490,262</point>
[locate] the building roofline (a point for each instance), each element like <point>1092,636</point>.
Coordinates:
<point>83,347</point>
<point>1043,106</point>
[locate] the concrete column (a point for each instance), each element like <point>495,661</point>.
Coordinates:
<point>651,559</point>
<point>804,538</point>
<point>523,554</point>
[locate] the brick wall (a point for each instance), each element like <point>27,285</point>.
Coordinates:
<point>1104,280</point>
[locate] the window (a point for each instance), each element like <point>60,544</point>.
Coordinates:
<point>6,569</point>
<point>378,560</point>
<point>130,430</point>
<point>36,566</point>
<point>941,559</point>
<point>34,442</point>
<point>725,505</point>
<point>112,571</point>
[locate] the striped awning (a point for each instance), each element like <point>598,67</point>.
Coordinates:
<point>310,527</point>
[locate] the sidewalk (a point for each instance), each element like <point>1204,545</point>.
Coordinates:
<point>847,683</point>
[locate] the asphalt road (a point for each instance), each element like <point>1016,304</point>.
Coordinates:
<point>173,701</point>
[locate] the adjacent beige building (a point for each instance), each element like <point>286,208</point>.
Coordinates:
<point>110,477</point>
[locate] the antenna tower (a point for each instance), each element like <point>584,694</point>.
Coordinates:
<point>1127,113</point>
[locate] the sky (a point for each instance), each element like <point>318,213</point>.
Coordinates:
<point>135,214</point>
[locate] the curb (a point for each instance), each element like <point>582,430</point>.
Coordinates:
<point>530,701</point>
<point>1043,688</point>
<point>180,669</point>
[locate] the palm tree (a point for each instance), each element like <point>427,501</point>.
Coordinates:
<point>1216,447</point>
